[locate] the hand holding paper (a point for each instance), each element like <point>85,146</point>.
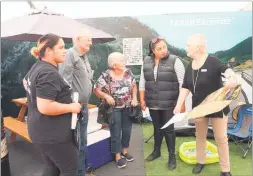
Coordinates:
<point>145,113</point>
<point>74,115</point>
<point>176,118</point>
<point>214,102</point>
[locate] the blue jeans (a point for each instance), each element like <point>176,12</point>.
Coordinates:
<point>120,130</point>
<point>82,124</point>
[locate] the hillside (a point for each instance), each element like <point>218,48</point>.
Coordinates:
<point>241,52</point>
<point>128,27</point>
<point>121,27</point>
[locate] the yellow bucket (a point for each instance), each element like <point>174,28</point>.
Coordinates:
<point>187,152</point>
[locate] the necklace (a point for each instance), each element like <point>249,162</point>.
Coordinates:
<point>194,82</point>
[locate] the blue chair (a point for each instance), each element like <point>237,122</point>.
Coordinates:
<point>237,117</point>
<point>243,129</point>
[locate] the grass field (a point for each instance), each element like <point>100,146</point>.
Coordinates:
<point>158,167</point>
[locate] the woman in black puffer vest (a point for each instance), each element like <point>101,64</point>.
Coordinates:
<point>161,78</point>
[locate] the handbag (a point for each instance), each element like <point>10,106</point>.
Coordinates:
<point>135,114</point>
<point>105,111</point>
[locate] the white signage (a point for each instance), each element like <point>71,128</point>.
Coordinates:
<point>132,50</point>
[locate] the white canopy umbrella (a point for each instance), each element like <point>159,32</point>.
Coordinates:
<point>30,27</point>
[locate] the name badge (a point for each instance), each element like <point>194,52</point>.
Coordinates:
<point>203,70</point>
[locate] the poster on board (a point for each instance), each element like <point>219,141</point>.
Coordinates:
<point>132,50</point>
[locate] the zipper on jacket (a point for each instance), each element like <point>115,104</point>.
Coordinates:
<point>156,82</point>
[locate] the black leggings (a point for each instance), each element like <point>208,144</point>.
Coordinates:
<point>59,159</point>
<point>160,118</point>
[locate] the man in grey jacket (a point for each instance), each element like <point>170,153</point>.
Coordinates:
<point>77,72</point>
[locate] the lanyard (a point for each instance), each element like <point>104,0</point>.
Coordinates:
<point>194,82</point>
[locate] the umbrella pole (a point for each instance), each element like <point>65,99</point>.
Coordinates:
<point>149,138</point>
<point>32,6</point>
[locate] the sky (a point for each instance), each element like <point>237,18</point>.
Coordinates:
<point>79,10</point>
<point>97,9</point>
<point>222,30</point>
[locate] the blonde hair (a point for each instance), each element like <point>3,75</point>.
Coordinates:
<point>46,41</point>
<point>35,51</point>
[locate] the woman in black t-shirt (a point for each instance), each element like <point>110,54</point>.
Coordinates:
<point>202,77</point>
<point>50,108</point>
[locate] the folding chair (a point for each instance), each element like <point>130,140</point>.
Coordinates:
<point>243,129</point>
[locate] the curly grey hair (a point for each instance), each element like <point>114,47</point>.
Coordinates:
<point>113,58</point>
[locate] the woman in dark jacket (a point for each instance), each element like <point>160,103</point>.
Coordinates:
<point>161,78</point>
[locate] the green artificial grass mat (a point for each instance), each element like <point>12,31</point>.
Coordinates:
<point>159,167</point>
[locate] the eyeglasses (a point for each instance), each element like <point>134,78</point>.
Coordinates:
<point>156,39</point>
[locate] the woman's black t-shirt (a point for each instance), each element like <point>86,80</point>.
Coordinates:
<point>44,81</point>
<point>208,80</point>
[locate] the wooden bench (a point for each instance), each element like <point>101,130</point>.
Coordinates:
<point>17,125</point>
<point>11,124</point>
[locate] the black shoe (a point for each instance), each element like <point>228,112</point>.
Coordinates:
<point>225,174</point>
<point>198,168</point>
<point>153,156</point>
<point>172,162</point>
<point>121,163</point>
<point>128,157</point>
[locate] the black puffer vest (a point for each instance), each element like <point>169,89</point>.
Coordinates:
<point>162,93</point>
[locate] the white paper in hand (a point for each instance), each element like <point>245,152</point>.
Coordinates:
<point>176,118</point>
<point>145,113</point>
<point>74,115</point>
